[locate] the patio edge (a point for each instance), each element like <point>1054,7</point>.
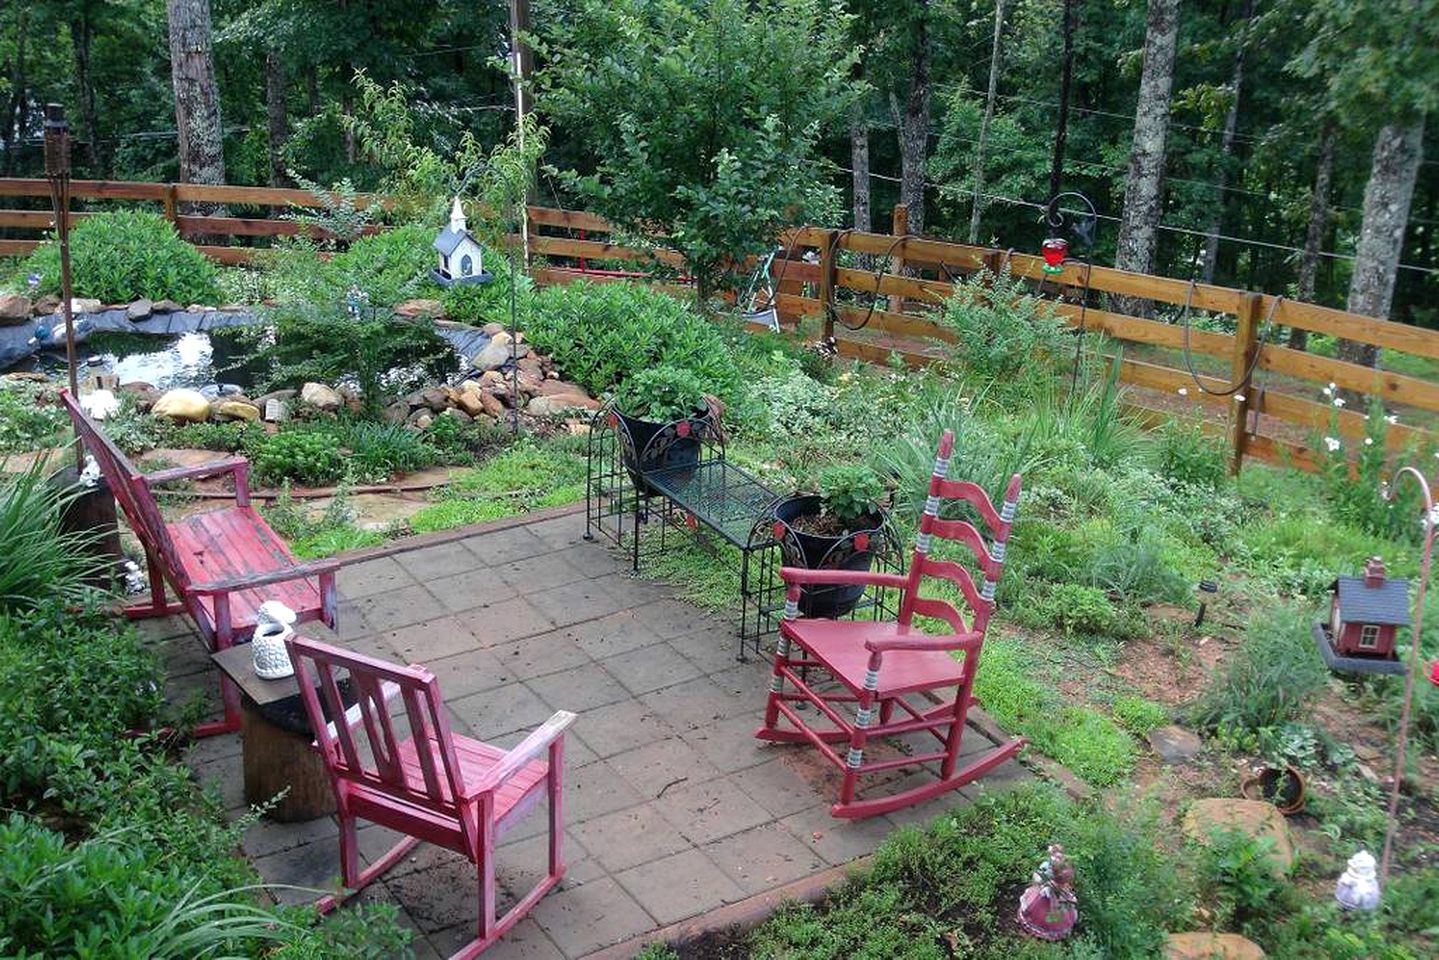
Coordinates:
<point>420,541</point>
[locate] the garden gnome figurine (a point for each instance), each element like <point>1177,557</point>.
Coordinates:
<point>1358,889</point>
<point>1047,908</point>
<point>274,622</point>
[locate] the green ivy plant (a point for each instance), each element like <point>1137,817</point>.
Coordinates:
<point>662,394</point>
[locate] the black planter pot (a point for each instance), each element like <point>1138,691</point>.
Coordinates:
<point>852,551</point>
<point>653,445</point>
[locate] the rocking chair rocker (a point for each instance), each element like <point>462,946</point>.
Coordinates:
<point>877,665</point>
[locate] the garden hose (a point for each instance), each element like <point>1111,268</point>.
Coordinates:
<point>1233,388</point>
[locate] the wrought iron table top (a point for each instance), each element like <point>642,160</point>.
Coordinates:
<point>724,497</point>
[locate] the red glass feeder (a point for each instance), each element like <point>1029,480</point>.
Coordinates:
<point>1434,673</point>
<point>1055,249</point>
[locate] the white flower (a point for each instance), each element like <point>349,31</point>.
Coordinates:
<point>1339,401</point>
<point>1432,517</point>
<point>1368,441</point>
<point>1333,444</point>
<point>1392,419</point>
<point>1333,385</point>
<point>1184,391</point>
<point>1329,390</point>
<point>1239,398</point>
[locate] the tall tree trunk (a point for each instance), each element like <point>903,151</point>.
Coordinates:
<point>279,124</point>
<point>1143,198</point>
<point>82,38</point>
<point>15,110</point>
<point>1226,151</point>
<point>1061,127</point>
<point>977,208</point>
<point>1318,225</point>
<point>859,162</point>
<point>914,126</point>
<point>197,101</point>
<point>1398,152</point>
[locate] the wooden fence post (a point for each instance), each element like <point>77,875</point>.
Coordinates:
<point>172,210</point>
<point>898,226</point>
<point>827,278</point>
<point>1246,347</point>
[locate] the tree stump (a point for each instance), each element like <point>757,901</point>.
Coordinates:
<point>276,759</point>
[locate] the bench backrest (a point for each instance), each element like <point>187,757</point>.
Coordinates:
<point>130,490</point>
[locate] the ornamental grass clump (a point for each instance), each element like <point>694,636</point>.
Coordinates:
<point>39,559</point>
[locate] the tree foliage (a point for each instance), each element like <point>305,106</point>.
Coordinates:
<point>702,117</point>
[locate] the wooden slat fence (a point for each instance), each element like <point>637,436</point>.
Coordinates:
<point>821,269</point>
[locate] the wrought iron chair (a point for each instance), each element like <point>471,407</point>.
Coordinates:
<point>880,667</point>
<point>432,785</point>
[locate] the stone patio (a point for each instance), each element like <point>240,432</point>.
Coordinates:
<point>672,808</point>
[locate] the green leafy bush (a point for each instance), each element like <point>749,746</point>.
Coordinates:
<point>1005,335</point>
<point>1237,876</point>
<point>1185,454</point>
<point>222,437</point>
<point>1078,608</point>
<point>663,394</point>
<point>379,450</point>
<point>39,560</point>
<point>30,417</point>
<point>126,255</point>
<point>308,457</point>
<point>1272,678</point>
<point>601,335</point>
<point>850,492</point>
<point>383,355</point>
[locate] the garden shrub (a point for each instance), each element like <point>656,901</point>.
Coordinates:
<point>308,457</point>
<point>1005,335</point>
<point>1272,678</point>
<point>382,355</point>
<point>601,335</point>
<point>664,393</point>
<point>1186,455</point>
<point>222,437</point>
<point>1076,608</point>
<point>31,417</point>
<point>1236,874</point>
<point>39,560</point>
<point>376,451</point>
<point>127,255</point>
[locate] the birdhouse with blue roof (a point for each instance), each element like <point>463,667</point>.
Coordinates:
<point>1365,614</point>
<point>461,258</point>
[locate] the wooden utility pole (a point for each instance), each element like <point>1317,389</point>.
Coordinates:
<point>994,56</point>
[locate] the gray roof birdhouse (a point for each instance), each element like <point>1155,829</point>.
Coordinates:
<point>461,258</point>
<point>1365,614</point>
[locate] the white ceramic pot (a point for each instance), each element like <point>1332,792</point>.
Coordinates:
<point>274,623</point>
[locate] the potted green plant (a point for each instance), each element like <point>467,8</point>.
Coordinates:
<point>833,529</point>
<point>661,413</point>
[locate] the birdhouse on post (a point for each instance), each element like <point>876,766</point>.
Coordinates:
<point>1365,614</point>
<point>461,258</point>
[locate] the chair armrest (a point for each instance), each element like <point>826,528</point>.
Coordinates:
<point>314,568</point>
<point>523,752</point>
<point>389,690</point>
<point>209,468</point>
<point>797,577</point>
<point>919,641</point>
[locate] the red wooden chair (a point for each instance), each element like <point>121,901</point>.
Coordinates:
<point>431,785</point>
<point>221,563</point>
<point>880,666</point>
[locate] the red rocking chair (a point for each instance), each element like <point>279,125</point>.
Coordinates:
<point>434,786</point>
<point>878,665</point>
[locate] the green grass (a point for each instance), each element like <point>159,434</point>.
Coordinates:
<point>1138,715</point>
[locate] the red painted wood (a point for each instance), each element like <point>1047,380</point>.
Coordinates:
<point>874,665</point>
<point>433,785</point>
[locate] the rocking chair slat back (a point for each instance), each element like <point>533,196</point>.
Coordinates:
<point>432,779</point>
<point>989,559</point>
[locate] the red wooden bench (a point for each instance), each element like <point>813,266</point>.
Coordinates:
<point>222,563</point>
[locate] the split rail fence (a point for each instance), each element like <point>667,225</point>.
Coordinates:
<point>819,272</point>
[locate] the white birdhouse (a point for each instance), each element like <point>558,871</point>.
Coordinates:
<point>460,254</point>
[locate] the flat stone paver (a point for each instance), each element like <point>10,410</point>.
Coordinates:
<point>672,808</point>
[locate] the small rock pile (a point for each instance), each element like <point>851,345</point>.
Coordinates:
<point>487,394</point>
<point>16,308</point>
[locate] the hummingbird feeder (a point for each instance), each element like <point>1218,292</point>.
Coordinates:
<point>1055,249</point>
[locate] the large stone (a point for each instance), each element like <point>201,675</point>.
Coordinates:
<point>183,406</point>
<point>1174,744</point>
<point>1211,946</point>
<point>85,305</point>
<point>14,309</point>
<point>284,396</point>
<point>397,412</point>
<point>1253,818</point>
<point>320,397</point>
<point>420,308</point>
<point>46,305</point>
<point>493,328</point>
<point>494,406</point>
<point>471,403</point>
<point>139,310</point>
<point>166,306</point>
<point>562,403</point>
<point>237,410</point>
<point>492,357</point>
<point>555,388</point>
<point>529,382</point>
<point>435,398</point>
